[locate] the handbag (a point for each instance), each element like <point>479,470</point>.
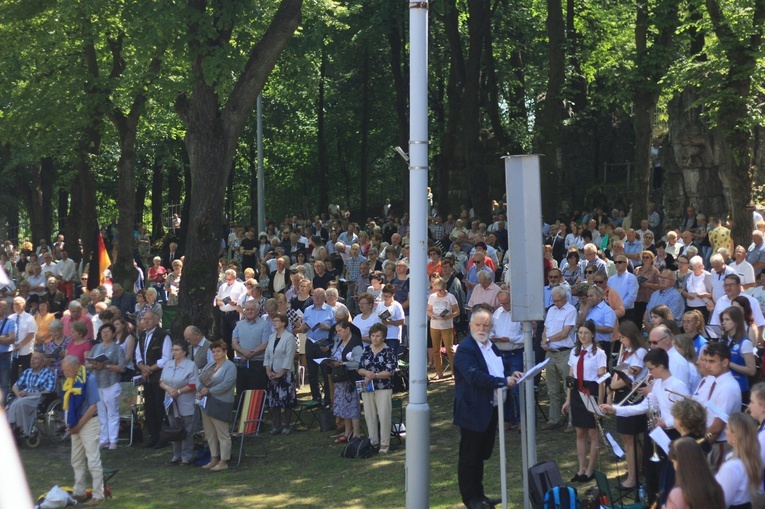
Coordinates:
<point>172,432</point>
<point>339,374</point>
<point>357,448</point>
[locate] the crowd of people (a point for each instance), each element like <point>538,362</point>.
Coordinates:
<point>330,290</point>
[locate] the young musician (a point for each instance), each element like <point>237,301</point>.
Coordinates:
<point>588,363</point>
<point>633,350</point>
<point>723,391</point>
<point>657,362</point>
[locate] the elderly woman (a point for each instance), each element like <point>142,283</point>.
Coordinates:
<point>107,372</point>
<point>79,346</point>
<point>173,283</point>
<point>179,381</point>
<point>442,309</point>
<point>55,349</point>
<point>152,304</point>
<point>367,318</point>
<point>346,353</point>
<point>216,389</point>
<point>377,366</point>
<point>279,361</point>
<point>157,275</point>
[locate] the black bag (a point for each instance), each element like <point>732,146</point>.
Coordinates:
<point>357,448</point>
<point>543,477</point>
<point>170,432</point>
<point>339,374</point>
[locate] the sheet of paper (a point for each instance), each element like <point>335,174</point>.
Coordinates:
<point>615,446</point>
<point>603,378</point>
<point>719,412</point>
<point>319,361</point>
<point>661,438</point>
<point>590,403</point>
<point>168,402</point>
<point>535,370</point>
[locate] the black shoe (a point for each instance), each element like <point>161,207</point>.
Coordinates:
<point>576,478</point>
<point>173,462</point>
<point>479,503</point>
<point>586,478</point>
<point>150,444</point>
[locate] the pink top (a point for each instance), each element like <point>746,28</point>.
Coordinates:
<point>79,350</point>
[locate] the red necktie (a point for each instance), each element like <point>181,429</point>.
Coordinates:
<point>580,371</point>
<point>711,390</point>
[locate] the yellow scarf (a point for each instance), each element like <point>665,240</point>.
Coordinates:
<point>74,386</point>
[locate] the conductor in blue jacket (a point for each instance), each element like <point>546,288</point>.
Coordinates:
<point>478,371</point>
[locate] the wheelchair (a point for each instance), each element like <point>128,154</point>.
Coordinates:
<point>50,422</point>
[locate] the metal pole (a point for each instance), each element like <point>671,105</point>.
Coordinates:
<point>529,421</point>
<point>499,394</point>
<point>524,444</point>
<point>417,470</point>
<point>261,172</point>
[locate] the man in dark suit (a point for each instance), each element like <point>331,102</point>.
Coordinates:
<point>171,256</point>
<point>293,247</point>
<point>153,352</point>
<point>557,243</point>
<point>478,371</point>
<point>279,280</point>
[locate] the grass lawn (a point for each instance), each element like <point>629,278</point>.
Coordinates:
<point>305,470</point>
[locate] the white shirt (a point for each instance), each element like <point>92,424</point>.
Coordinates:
<point>365,325</point>
<point>167,345</point>
<point>396,314</point>
<point>718,291</point>
<point>634,360</point>
<point>505,327</point>
<point>34,281</point>
<point>658,396</point>
<point>232,291</point>
<point>698,284</point>
<point>556,320</point>
<point>726,395</point>
<point>733,479</point>
<point>592,363</point>
<point>678,366</point>
<point>724,303</point>
<point>494,364</point>
<point>26,326</point>
<point>744,270</point>
<point>627,286</point>
<point>49,267</point>
<point>67,269</point>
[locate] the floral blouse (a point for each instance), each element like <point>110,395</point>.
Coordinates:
<point>377,363</point>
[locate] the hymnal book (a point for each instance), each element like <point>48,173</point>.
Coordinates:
<point>384,315</point>
<point>100,358</point>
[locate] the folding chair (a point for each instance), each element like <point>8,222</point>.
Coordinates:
<point>108,474</point>
<point>605,489</point>
<point>130,402</point>
<point>397,427</point>
<point>310,406</point>
<point>249,417</point>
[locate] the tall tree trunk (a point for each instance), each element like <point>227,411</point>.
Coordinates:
<point>72,224</point>
<point>140,199</point>
<point>157,205</point>
<point>253,160</point>
<point>36,187</point>
<point>62,208</point>
<point>551,116</point>
<point>734,118</point>
<point>212,132</point>
<point>365,114</point>
<point>492,92</point>
<point>123,271</point>
<point>322,163</point>
<point>401,92</point>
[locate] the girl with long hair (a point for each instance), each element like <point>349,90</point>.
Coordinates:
<point>587,363</point>
<point>742,364</point>
<point>695,486</point>
<point>634,348</point>
<point>741,475</point>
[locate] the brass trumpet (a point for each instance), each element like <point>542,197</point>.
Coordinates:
<point>634,396</point>
<point>677,394</point>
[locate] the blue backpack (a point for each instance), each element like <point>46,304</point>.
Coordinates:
<point>561,497</point>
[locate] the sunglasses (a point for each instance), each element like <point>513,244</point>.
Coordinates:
<point>599,282</point>
<point>619,262</point>
<point>589,272</point>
